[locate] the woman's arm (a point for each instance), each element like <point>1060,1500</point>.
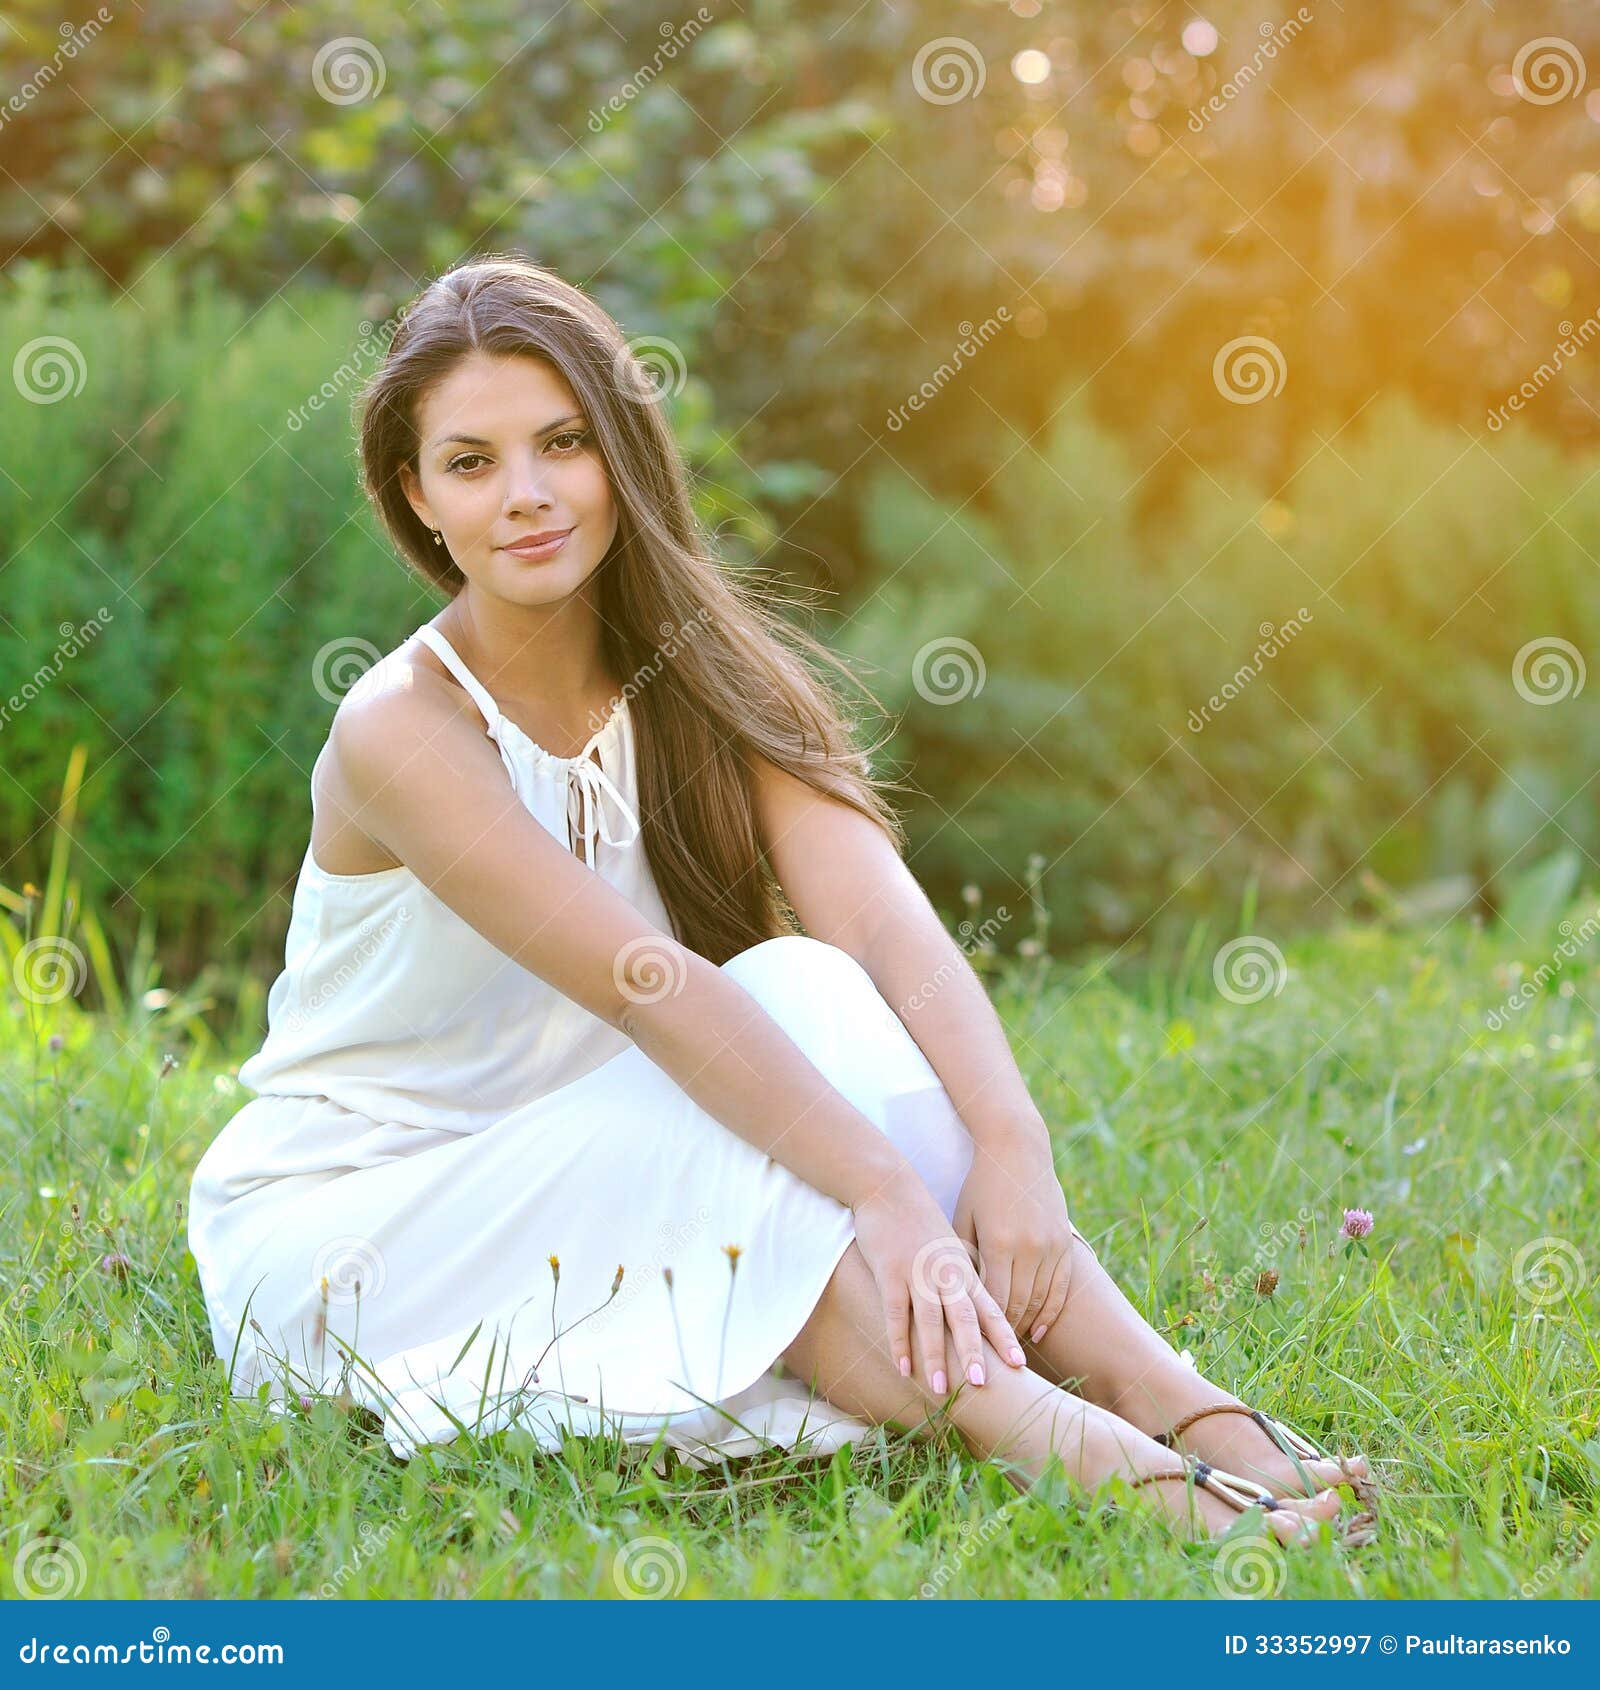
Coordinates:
<point>851,888</point>
<point>427,786</point>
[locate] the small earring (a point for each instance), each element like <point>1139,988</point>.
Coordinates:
<point>438,537</point>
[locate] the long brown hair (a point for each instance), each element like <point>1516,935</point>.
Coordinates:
<point>737,679</point>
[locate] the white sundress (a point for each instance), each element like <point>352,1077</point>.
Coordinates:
<point>433,1122</point>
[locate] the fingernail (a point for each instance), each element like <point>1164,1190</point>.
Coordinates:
<point>1038,1332</point>
<point>939,1384</point>
<point>1018,1359</point>
<point>975,1373</point>
<point>905,1367</point>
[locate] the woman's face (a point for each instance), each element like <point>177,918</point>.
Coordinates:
<point>505,454</point>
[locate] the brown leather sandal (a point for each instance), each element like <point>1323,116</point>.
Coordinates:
<point>1239,1494</point>
<point>1359,1528</point>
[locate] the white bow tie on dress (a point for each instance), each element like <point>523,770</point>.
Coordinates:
<point>595,787</point>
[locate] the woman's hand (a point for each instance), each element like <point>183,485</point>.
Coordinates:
<point>1012,1210</point>
<point>927,1281</point>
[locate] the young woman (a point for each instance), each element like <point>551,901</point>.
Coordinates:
<point>557,1120</point>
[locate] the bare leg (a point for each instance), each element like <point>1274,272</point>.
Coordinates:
<point>1103,1347</point>
<point>1019,1416</point>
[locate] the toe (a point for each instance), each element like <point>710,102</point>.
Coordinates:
<point>1291,1527</point>
<point>1291,1481</point>
<point>1323,1506</point>
<point>1297,1521</point>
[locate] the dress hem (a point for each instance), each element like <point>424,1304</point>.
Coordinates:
<point>658,1419</point>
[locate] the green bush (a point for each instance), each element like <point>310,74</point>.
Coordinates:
<point>1382,735</point>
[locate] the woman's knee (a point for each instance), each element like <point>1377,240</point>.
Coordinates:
<point>791,956</point>
<point>831,1006</point>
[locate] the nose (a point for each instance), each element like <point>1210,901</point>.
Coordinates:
<point>527,484</point>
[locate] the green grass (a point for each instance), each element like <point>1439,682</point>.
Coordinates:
<point>1199,1141</point>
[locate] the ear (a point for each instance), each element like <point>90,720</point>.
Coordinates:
<point>411,486</point>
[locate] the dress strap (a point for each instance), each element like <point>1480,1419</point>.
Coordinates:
<point>446,653</point>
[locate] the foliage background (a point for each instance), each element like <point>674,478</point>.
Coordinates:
<point>781,199</point>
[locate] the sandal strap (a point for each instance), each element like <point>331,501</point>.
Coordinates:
<point>1157,1478</point>
<point>1178,1427</point>
<point>1249,1491</point>
<point>1239,1494</point>
<point>1282,1434</point>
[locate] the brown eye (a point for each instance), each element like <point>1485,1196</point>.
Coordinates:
<point>455,464</point>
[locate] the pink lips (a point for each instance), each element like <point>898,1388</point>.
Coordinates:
<point>539,545</point>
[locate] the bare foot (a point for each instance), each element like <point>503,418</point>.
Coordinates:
<point>1294,1523</point>
<point>1110,1446</point>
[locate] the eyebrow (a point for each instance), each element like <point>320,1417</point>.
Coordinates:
<point>478,440</point>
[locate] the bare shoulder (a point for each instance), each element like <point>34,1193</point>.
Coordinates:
<point>405,701</point>
<point>782,800</point>
<point>402,693</point>
<point>773,787</point>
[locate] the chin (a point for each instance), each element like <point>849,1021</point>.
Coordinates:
<point>539,583</point>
